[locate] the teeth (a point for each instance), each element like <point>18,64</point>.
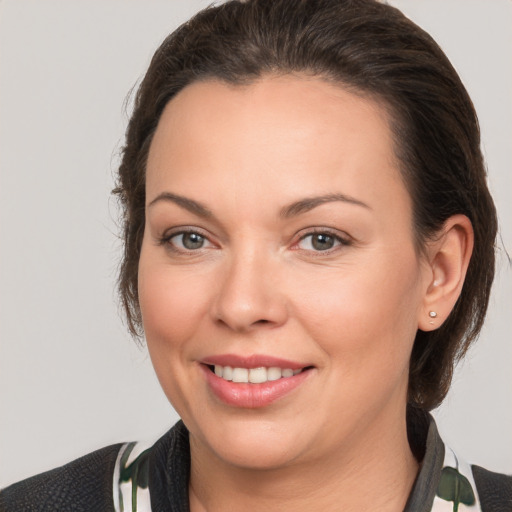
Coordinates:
<point>240,375</point>
<point>258,375</point>
<point>254,375</point>
<point>274,373</point>
<point>227,372</point>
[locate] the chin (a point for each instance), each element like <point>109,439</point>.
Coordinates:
<point>252,443</point>
<point>246,454</point>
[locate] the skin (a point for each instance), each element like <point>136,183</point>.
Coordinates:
<point>258,286</point>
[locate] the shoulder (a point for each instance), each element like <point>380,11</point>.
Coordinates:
<point>494,490</point>
<point>82,485</point>
<point>154,476</point>
<point>446,482</point>
<point>472,487</point>
<point>118,477</point>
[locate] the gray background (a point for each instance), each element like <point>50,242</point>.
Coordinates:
<point>71,380</point>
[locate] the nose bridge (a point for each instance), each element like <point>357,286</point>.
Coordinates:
<point>249,294</point>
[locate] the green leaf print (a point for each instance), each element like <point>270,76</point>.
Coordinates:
<point>137,472</point>
<point>455,487</point>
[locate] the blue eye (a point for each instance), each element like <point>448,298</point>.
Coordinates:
<point>319,242</point>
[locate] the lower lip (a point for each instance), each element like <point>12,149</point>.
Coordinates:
<point>252,396</point>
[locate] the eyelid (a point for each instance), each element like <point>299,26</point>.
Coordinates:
<point>181,230</point>
<point>343,238</point>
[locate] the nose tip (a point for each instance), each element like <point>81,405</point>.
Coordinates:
<point>250,298</point>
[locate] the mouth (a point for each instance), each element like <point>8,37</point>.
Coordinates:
<point>255,381</point>
<point>258,375</point>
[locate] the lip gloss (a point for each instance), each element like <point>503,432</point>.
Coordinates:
<point>252,396</point>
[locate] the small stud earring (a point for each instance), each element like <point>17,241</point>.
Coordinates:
<point>432,314</point>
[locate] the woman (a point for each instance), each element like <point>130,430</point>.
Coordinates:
<point>309,246</point>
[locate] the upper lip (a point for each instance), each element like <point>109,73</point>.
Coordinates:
<point>252,361</point>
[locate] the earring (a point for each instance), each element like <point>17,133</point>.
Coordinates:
<point>432,314</point>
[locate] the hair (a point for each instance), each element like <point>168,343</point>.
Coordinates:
<point>371,49</point>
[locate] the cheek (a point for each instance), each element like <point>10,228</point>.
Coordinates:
<point>365,313</point>
<point>172,302</point>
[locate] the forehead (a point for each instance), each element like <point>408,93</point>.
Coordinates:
<point>298,135</point>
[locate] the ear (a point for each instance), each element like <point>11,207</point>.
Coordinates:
<point>448,260</point>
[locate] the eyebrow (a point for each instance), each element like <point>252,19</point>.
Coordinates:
<point>291,210</point>
<point>307,204</point>
<point>188,204</point>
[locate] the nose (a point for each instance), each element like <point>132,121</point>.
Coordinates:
<point>249,295</point>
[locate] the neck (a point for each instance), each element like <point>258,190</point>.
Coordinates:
<point>374,470</point>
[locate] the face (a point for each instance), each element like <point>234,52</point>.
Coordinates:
<point>278,249</point>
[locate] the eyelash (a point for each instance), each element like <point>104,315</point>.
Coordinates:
<point>166,240</point>
<point>340,240</point>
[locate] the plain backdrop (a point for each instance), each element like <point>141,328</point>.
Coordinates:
<point>71,379</point>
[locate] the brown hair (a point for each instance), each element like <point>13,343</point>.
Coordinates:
<point>374,50</point>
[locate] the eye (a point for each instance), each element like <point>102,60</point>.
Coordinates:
<point>187,241</point>
<point>320,241</point>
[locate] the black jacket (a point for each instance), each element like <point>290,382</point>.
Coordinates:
<point>86,484</point>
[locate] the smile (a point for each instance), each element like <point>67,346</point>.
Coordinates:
<point>254,381</point>
<point>253,375</point>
